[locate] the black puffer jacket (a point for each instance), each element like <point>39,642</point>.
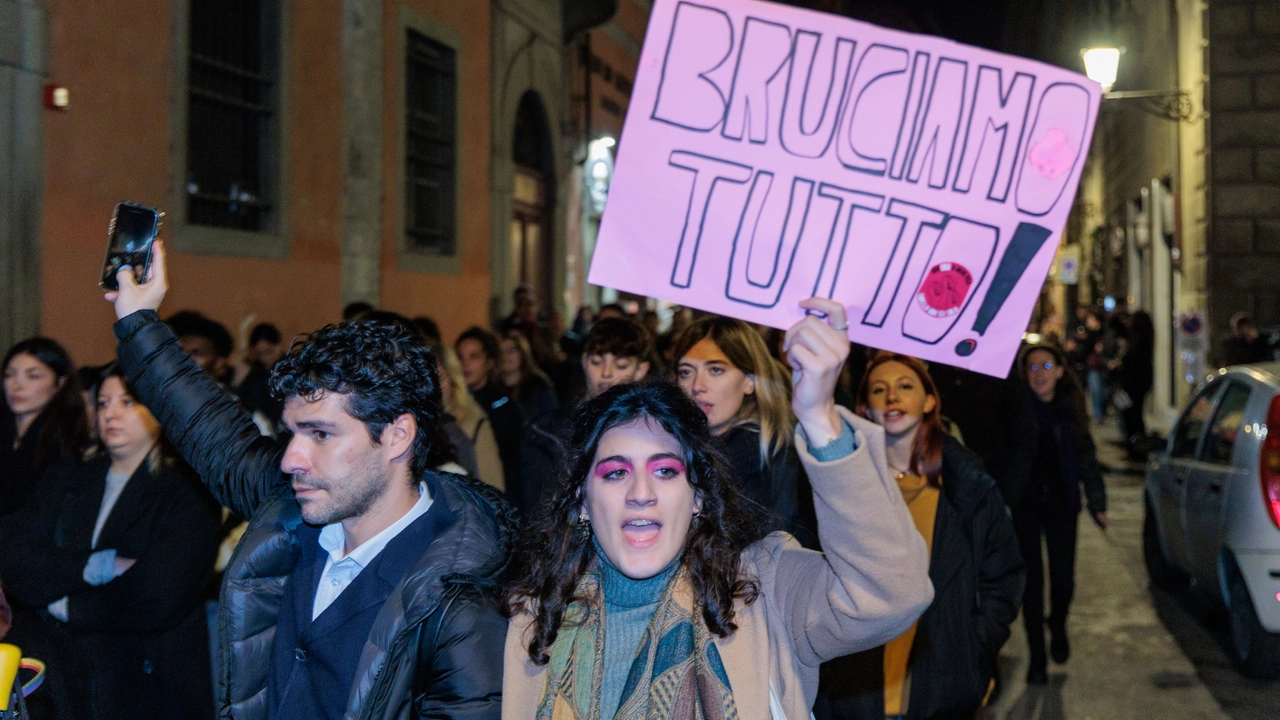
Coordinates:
<point>436,647</point>
<point>978,576</point>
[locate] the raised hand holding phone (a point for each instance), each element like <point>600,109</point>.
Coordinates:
<point>134,296</point>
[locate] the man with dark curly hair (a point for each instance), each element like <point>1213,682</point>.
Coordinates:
<point>363,586</point>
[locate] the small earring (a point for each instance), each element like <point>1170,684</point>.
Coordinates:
<point>582,518</point>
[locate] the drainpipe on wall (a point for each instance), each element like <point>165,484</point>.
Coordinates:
<point>24,67</point>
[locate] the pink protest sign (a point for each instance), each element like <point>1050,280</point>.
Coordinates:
<point>772,153</point>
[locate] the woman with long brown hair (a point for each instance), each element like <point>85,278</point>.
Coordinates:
<point>725,367</point>
<point>1064,460</point>
<point>528,385</point>
<point>650,593</point>
<point>43,419</point>
<point>942,666</point>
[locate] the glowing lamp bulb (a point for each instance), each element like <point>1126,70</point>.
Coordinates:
<point>1101,65</point>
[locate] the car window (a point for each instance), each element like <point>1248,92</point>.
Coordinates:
<point>1226,425</point>
<point>1187,435</point>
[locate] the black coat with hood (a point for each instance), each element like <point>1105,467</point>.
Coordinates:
<point>978,577</point>
<point>436,647</point>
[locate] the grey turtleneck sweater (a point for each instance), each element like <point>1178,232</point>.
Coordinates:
<point>628,607</point>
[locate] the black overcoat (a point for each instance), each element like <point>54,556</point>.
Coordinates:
<point>137,646</point>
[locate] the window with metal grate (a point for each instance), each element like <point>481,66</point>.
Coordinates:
<point>431,144</point>
<point>233,66</point>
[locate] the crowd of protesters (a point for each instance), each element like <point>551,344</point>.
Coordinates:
<point>544,521</point>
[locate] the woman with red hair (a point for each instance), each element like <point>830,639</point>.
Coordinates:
<point>943,665</point>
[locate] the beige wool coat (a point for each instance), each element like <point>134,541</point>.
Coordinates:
<point>869,587</point>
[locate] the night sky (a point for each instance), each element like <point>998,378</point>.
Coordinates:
<point>975,22</point>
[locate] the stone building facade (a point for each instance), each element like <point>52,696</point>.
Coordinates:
<point>1243,253</point>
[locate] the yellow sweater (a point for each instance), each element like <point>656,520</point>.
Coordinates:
<point>922,501</point>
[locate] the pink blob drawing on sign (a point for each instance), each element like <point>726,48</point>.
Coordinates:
<point>944,289</point>
<point>1053,155</point>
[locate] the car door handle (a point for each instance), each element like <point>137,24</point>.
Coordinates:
<point>1179,477</point>
<point>1215,487</point>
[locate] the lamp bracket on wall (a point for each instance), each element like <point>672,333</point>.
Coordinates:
<point>1172,105</point>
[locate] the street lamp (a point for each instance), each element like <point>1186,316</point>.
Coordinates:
<point>1102,64</point>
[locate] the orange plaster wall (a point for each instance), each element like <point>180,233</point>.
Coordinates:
<point>112,144</point>
<point>455,301</point>
<point>115,142</point>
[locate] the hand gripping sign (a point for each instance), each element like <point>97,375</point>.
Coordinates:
<point>772,153</point>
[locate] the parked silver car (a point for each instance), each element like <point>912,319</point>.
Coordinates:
<point>1213,507</point>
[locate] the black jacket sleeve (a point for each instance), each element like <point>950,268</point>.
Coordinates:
<point>460,665</point>
<point>1095,488</point>
<point>794,498</point>
<point>1001,571</point>
<point>542,457</point>
<point>36,568</point>
<point>167,581</point>
<point>1021,439</point>
<point>207,425</point>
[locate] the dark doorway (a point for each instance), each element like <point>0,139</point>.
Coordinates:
<point>533,199</point>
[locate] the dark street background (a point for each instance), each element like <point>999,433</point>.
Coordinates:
<point>1136,652</point>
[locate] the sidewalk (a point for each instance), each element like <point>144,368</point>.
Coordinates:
<point>1124,663</point>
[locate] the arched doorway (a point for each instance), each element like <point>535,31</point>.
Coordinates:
<point>532,234</point>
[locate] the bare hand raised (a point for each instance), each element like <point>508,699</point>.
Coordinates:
<point>816,350</point>
<point>132,296</point>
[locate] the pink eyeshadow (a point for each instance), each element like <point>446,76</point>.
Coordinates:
<point>604,468</point>
<point>664,464</point>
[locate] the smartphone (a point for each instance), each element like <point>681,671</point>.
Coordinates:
<point>133,231</point>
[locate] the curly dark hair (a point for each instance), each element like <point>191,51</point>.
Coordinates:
<point>382,370</point>
<point>558,551</point>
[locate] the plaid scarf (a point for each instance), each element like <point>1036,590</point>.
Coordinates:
<point>676,675</point>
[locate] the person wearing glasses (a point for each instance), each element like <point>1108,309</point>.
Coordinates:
<point>1064,461</point>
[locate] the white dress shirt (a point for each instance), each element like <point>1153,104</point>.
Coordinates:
<point>339,571</point>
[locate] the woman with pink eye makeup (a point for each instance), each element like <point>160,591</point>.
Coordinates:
<point>648,589</point>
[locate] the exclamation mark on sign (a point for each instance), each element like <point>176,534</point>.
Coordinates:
<point>1027,241</point>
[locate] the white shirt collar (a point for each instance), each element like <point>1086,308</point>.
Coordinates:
<point>333,540</point>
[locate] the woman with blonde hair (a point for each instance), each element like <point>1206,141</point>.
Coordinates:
<point>723,365</point>
<point>471,424</point>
